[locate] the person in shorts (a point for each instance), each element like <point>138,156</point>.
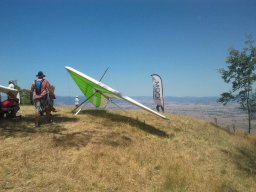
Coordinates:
<point>40,91</point>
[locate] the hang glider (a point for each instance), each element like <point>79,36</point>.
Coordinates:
<point>13,93</point>
<point>7,90</point>
<point>99,94</point>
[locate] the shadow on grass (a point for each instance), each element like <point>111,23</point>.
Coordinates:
<point>246,160</point>
<point>25,126</point>
<point>83,138</point>
<point>73,140</point>
<point>124,119</point>
<point>227,187</point>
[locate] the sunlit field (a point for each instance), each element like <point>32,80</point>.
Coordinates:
<point>116,150</point>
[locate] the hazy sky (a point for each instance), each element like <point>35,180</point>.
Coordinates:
<point>185,42</point>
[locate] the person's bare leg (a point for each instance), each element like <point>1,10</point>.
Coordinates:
<point>37,115</point>
<point>37,112</point>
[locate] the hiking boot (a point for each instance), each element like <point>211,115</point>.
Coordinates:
<point>54,110</point>
<point>37,124</point>
<point>52,122</point>
<point>49,120</point>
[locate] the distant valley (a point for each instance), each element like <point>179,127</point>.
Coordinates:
<point>200,107</point>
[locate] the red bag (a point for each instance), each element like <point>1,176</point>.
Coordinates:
<point>7,103</point>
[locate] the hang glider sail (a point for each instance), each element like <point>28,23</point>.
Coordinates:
<point>14,93</point>
<point>99,94</point>
<point>7,90</point>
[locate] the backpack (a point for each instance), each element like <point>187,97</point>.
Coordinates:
<point>38,85</point>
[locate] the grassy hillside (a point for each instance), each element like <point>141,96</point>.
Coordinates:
<point>123,151</point>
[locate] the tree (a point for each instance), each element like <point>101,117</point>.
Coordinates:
<point>24,95</point>
<point>241,74</point>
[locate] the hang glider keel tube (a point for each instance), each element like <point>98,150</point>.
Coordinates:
<point>97,92</point>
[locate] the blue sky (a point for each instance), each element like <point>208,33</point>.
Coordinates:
<point>185,42</point>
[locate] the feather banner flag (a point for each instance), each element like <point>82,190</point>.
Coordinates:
<point>158,91</point>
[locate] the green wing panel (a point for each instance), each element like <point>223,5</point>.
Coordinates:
<point>97,94</point>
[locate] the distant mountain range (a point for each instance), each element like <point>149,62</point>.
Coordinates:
<point>67,100</point>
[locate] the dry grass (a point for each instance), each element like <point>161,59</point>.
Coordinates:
<point>123,151</point>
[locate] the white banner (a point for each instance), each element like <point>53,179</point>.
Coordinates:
<point>158,91</point>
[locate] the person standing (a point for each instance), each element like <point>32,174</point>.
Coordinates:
<point>11,85</point>
<point>40,90</point>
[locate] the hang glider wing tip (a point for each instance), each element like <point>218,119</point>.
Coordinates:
<point>132,101</point>
<point>164,117</point>
<point>160,115</point>
<point>69,68</point>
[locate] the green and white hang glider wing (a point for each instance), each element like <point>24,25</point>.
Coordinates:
<point>98,93</point>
